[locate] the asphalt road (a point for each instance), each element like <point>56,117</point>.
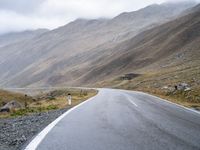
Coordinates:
<point>122,120</point>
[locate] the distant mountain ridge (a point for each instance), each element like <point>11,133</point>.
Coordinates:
<point>87,51</point>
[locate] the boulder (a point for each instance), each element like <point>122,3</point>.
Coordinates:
<point>183,87</point>
<point>10,105</point>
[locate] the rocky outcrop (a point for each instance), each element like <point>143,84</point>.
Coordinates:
<point>183,87</point>
<point>10,105</point>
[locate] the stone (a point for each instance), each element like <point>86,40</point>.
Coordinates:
<point>10,105</point>
<point>183,87</point>
<point>187,89</point>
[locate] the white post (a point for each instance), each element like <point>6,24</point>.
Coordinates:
<point>69,98</point>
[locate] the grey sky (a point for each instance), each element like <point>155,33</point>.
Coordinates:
<point>18,15</point>
<point>20,6</point>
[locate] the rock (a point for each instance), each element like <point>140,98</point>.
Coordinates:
<point>129,76</point>
<point>10,105</point>
<point>187,89</point>
<point>183,87</point>
<point>165,87</point>
<point>4,110</point>
<point>168,88</point>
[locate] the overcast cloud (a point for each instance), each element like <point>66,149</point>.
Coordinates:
<point>18,15</point>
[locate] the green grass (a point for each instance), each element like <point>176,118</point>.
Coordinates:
<point>27,111</point>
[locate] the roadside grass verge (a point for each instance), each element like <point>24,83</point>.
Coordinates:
<point>153,82</point>
<point>53,100</point>
<point>7,96</point>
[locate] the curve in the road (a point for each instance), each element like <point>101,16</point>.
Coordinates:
<point>122,120</point>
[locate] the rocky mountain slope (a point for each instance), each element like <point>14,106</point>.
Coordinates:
<point>173,43</point>
<point>86,51</point>
<point>16,37</point>
<point>165,59</point>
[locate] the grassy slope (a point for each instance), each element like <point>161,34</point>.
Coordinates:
<point>153,83</point>
<point>6,96</point>
<point>48,101</point>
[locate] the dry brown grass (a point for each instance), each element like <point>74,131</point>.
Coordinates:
<point>7,96</point>
<point>152,82</point>
<point>60,100</point>
<point>49,101</point>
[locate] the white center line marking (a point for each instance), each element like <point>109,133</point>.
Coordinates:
<point>132,102</point>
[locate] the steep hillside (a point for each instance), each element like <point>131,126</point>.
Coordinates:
<point>15,37</point>
<point>173,43</point>
<point>164,57</point>
<point>66,56</point>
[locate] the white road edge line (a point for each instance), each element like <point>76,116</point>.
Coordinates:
<point>195,111</point>
<point>161,99</point>
<point>37,140</point>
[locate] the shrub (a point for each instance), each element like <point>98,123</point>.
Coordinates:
<point>51,107</point>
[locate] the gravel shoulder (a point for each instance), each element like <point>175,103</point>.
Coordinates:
<point>16,132</point>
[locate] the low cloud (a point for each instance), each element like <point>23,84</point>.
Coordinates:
<point>21,6</point>
<point>33,14</point>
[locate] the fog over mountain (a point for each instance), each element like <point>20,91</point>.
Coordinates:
<point>33,14</point>
<point>85,51</point>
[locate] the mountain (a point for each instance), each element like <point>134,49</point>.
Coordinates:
<point>171,45</point>
<point>86,51</point>
<point>158,60</point>
<point>16,37</point>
